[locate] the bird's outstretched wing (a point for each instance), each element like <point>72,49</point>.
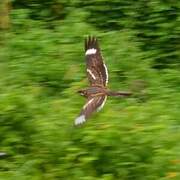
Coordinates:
<point>93,104</point>
<point>96,69</point>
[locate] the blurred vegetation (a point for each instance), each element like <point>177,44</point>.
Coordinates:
<point>42,66</point>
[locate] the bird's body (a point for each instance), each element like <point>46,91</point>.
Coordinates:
<point>97,74</point>
<point>98,91</point>
<point>93,91</point>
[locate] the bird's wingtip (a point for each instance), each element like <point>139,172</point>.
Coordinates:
<point>80,120</point>
<point>91,42</point>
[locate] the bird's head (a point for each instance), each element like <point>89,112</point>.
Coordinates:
<point>82,92</point>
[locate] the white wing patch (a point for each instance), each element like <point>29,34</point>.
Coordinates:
<point>106,71</point>
<point>91,51</point>
<point>89,102</point>
<point>80,120</point>
<point>90,72</point>
<point>101,106</point>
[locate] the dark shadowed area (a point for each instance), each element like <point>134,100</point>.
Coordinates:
<point>42,66</point>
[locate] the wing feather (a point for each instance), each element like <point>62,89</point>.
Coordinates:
<point>93,104</point>
<point>96,69</point>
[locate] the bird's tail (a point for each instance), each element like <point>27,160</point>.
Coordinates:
<point>119,94</point>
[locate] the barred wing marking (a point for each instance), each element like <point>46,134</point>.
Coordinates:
<point>96,69</point>
<point>106,72</point>
<point>91,74</point>
<point>93,104</point>
<point>102,105</point>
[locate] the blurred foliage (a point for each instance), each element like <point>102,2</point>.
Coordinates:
<point>42,66</point>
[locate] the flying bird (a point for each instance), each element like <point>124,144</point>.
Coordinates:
<point>97,73</point>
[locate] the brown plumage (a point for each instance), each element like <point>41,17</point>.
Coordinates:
<point>97,75</point>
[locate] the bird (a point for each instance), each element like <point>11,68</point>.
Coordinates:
<point>97,74</point>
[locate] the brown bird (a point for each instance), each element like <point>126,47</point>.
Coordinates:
<point>97,74</point>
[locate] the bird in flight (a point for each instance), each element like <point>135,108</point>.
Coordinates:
<point>97,73</point>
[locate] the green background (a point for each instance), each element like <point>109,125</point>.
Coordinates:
<point>42,65</point>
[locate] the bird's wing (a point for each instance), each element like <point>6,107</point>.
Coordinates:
<point>96,69</point>
<point>93,104</point>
